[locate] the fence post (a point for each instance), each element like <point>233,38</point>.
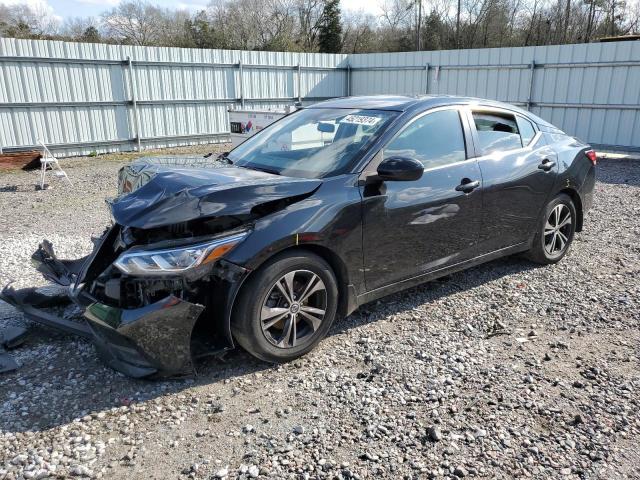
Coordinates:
<point>241,75</point>
<point>532,68</point>
<point>299,84</point>
<point>134,103</point>
<point>426,73</point>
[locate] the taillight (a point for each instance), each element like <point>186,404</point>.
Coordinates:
<point>591,155</point>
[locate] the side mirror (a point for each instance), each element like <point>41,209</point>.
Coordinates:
<point>400,169</point>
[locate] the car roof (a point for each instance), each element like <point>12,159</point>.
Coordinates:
<point>402,103</point>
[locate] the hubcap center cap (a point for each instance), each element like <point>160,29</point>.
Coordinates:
<point>294,308</point>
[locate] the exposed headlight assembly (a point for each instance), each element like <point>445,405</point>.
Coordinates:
<point>177,259</point>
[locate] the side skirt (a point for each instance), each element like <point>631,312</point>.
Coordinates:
<point>441,272</point>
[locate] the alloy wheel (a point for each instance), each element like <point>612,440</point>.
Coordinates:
<point>557,230</point>
<point>294,308</point>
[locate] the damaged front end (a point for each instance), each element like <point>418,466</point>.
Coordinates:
<point>157,290</point>
<point>138,309</point>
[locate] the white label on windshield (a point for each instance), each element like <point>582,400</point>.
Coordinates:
<point>360,120</point>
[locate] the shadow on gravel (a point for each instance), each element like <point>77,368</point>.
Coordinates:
<point>431,291</point>
<point>63,380</point>
<point>619,171</point>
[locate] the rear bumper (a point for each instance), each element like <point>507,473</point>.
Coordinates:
<point>587,189</point>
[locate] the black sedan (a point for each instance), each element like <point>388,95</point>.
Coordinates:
<point>329,208</point>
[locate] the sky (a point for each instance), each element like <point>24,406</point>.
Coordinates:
<point>92,8</point>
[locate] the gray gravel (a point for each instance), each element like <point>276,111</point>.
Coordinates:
<point>506,370</point>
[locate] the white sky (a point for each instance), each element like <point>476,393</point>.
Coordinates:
<point>92,8</point>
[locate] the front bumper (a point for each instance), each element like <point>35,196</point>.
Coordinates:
<point>155,339</point>
<point>152,339</point>
<point>142,342</point>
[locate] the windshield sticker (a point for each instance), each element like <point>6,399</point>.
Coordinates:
<point>361,120</point>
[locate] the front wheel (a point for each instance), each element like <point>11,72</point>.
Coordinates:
<point>555,231</point>
<point>286,307</point>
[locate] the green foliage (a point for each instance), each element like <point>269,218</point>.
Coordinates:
<point>321,25</point>
<point>203,33</point>
<point>330,32</point>
<point>91,35</point>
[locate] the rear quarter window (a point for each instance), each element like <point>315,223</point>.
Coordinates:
<point>527,132</point>
<point>497,132</point>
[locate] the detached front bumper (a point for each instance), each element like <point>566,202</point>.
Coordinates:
<point>145,341</point>
<point>141,342</point>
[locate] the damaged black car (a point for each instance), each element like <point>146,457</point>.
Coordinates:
<point>328,208</point>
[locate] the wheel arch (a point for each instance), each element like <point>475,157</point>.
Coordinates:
<point>577,202</point>
<point>346,293</point>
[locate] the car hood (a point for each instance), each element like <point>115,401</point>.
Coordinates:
<point>178,195</point>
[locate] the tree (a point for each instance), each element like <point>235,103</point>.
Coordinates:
<point>360,33</point>
<point>135,22</point>
<point>309,18</point>
<point>330,34</point>
<point>91,35</point>
<point>24,21</point>
<point>319,25</point>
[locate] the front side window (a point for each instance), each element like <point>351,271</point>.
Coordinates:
<point>434,139</point>
<point>497,132</point>
<point>312,143</point>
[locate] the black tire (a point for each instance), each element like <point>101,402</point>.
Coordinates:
<point>542,249</point>
<point>247,324</point>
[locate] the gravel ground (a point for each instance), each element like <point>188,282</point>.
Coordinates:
<point>506,370</point>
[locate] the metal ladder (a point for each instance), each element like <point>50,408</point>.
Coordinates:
<point>49,162</point>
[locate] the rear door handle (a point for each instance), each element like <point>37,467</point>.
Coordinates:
<point>468,186</point>
<point>547,165</point>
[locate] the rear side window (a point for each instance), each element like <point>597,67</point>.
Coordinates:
<point>434,139</point>
<point>527,132</point>
<point>497,132</point>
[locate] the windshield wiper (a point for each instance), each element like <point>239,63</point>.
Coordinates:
<point>222,157</point>
<point>261,169</point>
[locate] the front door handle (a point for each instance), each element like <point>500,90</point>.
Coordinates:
<point>547,165</point>
<point>467,185</point>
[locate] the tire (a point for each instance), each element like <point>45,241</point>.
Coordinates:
<point>263,320</point>
<point>551,244</point>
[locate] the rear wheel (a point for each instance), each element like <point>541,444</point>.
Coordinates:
<point>555,231</point>
<point>286,307</point>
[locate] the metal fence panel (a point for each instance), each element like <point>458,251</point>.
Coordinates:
<point>94,97</point>
<point>591,90</point>
<point>91,97</point>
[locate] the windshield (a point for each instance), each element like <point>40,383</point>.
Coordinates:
<point>312,143</point>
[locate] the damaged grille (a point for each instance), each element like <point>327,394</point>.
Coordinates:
<point>107,285</point>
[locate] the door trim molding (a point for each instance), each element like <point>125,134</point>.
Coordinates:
<point>433,274</point>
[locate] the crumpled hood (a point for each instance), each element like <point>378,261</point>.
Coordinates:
<point>178,195</point>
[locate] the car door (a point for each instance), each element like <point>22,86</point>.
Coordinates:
<point>413,227</point>
<point>518,173</point>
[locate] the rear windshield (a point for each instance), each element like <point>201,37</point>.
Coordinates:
<point>312,143</point>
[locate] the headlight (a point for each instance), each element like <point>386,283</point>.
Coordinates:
<point>177,259</point>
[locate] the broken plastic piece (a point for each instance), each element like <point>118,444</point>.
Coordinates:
<point>7,363</point>
<point>12,337</point>
<point>24,300</point>
<point>62,272</point>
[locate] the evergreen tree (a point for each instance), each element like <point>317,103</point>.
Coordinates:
<point>90,35</point>
<point>330,32</point>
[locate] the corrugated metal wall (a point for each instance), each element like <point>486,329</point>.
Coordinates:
<point>89,97</point>
<point>591,90</point>
<point>81,98</point>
